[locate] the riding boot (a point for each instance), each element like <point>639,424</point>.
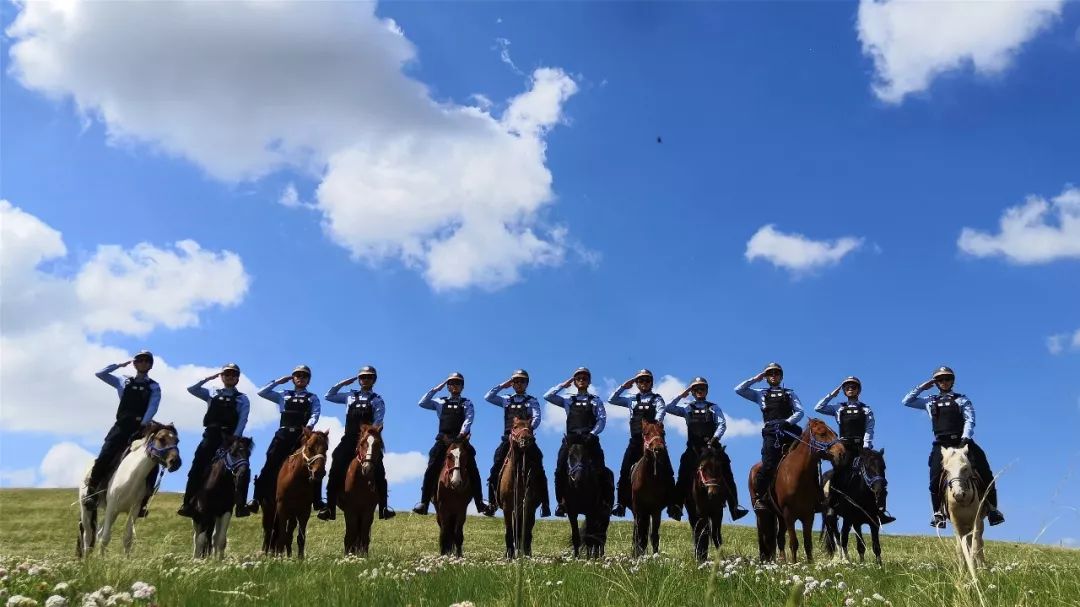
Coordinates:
<point>317,503</point>
<point>385,512</point>
<point>253,505</point>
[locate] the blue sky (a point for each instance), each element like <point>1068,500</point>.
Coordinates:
<point>491,195</point>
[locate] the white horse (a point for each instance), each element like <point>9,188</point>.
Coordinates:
<point>127,487</point>
<point>964,493</point>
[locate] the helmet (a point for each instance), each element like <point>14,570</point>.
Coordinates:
<point>851,379</point>
<point>367,370</point>
<point>230,367</point>
<point>944,371</point>
<point>699,381</point>
<point>456,376</point>
<point>302,369</point>
<point>582,371</point>
<point>144,355</point>
<point>643,373</point>
<point>772,366</point>
<point>520,374</point>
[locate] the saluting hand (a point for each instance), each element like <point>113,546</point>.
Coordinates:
<point>214,376</point>
<point>283,380</point>
<point>126,363</point>
<point>626,384</point>
<point>506,384</point>
<point>836,391</point>
<point>347,381</point>
<point>759,376</point>
<point>685,392</point>
<point>566,384</point>
<point>926,385</point>
<point>440,386</point>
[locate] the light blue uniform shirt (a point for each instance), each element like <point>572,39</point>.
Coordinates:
<point>494,398</point>
<point>915,401</point>
<point>378,407</point>
<point>627,402</point>
<point>599,410</point>
<point>681,411</point>
<point>823,406</point>
<point>243,405</point>
<point>106,376</point>
<point>269,393</point>
<point>429,402</point>
<point>757,395</point>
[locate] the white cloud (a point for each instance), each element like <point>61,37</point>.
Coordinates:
<point>1038,231</point>
<point>337,430</point>
<point>911,43</point>
<point>553,418</point>
<point>670,387</point>
<point>450,190</point>
<point>404,467</point>
<point>1059,342</point>
<point>797,253</point>
<point>64,465</point>
<point>49,320</point>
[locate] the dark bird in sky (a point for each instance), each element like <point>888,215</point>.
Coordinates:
<point>659,140</point>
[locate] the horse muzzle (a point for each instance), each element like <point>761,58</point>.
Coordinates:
<point>173,463</point>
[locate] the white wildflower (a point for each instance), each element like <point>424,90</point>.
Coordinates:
<point>143,591</point>
<point>56,601</point>
<point>21,601</point>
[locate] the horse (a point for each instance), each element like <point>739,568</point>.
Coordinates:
<point>292,503</point>
<point>519,490</point>
<point>157,446</point>
<point>585,495</point>
<point>795,492</point>
<point>964,493</point>
<point>651,487</point>
<point>360,495</point>
<point>706,501</point>
<point>862,489</point>
<point>453,494</point>
<point>214,503</point>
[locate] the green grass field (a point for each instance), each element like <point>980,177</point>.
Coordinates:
<point>37,539</point>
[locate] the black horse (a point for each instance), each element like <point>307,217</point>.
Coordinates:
<point>706,499</point>
<point>857,492</point>
<point>588,494</point>
<point>224,489</point>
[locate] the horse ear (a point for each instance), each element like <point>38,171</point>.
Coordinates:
<point>882,452</point>
<point>378,427</point>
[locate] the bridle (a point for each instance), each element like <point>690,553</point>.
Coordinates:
<point>158,454</point>
<point>705,480</point>
<point>521,436</point>
<point>309,461</point>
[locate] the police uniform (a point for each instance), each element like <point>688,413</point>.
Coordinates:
<point>298,408</point>
<point>644,406</point>
<point>705,423</point>
<point>139,400</point>
<point>855,421</point>
<point>363,407</point>
<point>226,415</point>
<point>515,407</point>
<point>586,418</point>
<point>455,414</point>
<point>781,412</point>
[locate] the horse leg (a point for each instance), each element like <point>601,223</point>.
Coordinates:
<point>977,543</point>
<point>860,542</point>
<point>808,536</point>
<point>105,533</point>
<point>641,530</point>
<point>875,541</point>
<point>716,525</point>
<point>198,538</point>
<point>575,534</point>
<point>844,536</point>
<point>530,522</point>
<point>792,537</point>
<point>301,533</point>
<point>129,528</point>
<point>655,535</point>
<point>700,527</point>
<point>459,534</point>
<point>221,533</point>
<point>365,529</point>
<point>508,535</point>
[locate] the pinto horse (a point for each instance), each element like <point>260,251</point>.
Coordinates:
<point>452,495</point>
<point>651,485</point>
<point>795,492</point>
<point>360,494</point>
<point>519,489</point>
<point>223,489</point>
<point>589,495</point>
<point>965,494</point>
<point>157,447</point>
<point>862,489</point>
<point>706,501</point>
<point>292,502</point>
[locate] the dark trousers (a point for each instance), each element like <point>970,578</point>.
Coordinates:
<point>344,453</point>
<point>436,458</point>
<point>773,444</point>
<point>497,463</point>
<point>212,439</point>
<point>634,450</point>
<point>116,442</point>
<point>979,464</point>
<point>596,457</point>
<point>285,441</point>
<point>688,465</point>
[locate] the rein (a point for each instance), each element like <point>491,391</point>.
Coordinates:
<point>706,481</point>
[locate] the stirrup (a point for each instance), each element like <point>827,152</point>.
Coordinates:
<point>253,506</point>
<point>995,517</point>
<point>759,504</point>
<point>618,510</point>
<point>738,512</point>
<point>560,510</point>
<point>386,512</point>
<point>327,514</point>
<point>420,508</point>
<point>938,520</point>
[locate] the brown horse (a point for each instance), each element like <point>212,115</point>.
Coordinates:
<point>651,485</point>
<point>453,494</point>
<point>360,495</point>
<point>519,490</point>
<point>706,501</point>
<point>292,503</point>
<point>795,492</point>
<point>222,490</point>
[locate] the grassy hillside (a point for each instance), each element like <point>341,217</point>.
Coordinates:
<point>37,538</point>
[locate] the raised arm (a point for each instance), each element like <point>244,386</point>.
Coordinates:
<point>269,393</point>
<point>198,391</point>
<point>752,394</point>
<point>913,398</point>
<point>243,408</point>
<point>106,375</point>
<point>427,401</point>
<point>675,408</point>
<point>552,396</point>
<point>493,397</point>
<point>618,399</point>
<point>334,394</point>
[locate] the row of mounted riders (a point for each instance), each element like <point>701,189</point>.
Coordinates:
<point>785,484</point>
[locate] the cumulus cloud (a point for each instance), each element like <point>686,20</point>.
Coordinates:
<point>453,191</point>
<point>911,43</point>
<point>404,467</point>
<point>797,253</point>
<point>50,322</point>
<point>1060,342</point>
<point>1038,231</point>
<point>671,387</point>
<point>64,465</point>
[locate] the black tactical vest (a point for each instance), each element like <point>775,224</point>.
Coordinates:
<point>223,412</point>
<point>581,418</point>
<point>700,424</point>
<point>642,410</point>
<point>135,400</point>
<point>360,411</point>
<point>452,416</point>
<point>517,407</point>
<point>852,420</point>
<point>777,405</point>
<point>297,409</point>
<point>946,414</point>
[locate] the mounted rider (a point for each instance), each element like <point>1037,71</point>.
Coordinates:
<point>226,415</point>
<point>781,411</point>
<point>856,422</point>
<point>644,406</point>
<point>705,426</point>
<point>517,406</point>
<point>364,406</point>
<point>455,413</point>
<point>953,418</point>
<point>299,408</point>
<point>586,417</point>
<point>139,400</point>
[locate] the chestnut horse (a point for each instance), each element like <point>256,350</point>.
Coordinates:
<point>360,494</point>
<point>706,501</point>
<point>222,490</point>
<point>453,494</point>
<point>519,489</point>
<point>651,486</point>
<point>795,492</point>
<point>292,502</point>
<point>588,493</point>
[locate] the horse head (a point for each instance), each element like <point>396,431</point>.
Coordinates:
<point>823,441</point>
<point>238,449</point>
<point>313,447</point>
<point>577,461</point>
<point>521,434</point>
<point>163,445</point>
<point>958,473</point>
<point>369,449</point>
<point>458,458</point>
<point>709,471</point>
<point>652,434</point>
<point>872,469</point>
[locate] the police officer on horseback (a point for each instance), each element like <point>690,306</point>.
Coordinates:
<point>517,406</point>
<point>856,422</point>
<point>364,406</point>
<point>586,417</point>
<point>139,400</point>
<point>299,408</point>
<point>455,413</point>
<point>705,426</point>
<point>781,411</point>
<point>644,406</point>
<point>953,418</point>
<point>226,415</point>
